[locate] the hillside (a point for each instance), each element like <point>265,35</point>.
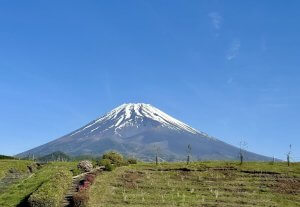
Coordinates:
<point>141,131</point>
<point>207,184</point>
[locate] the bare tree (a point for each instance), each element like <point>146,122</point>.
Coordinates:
<point>243,147</point>
<point>157,151</point>
<point>189,150</point>
<point>288,155</point>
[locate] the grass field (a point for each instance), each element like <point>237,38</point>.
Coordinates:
<point>199,184</point>
<point>18,193</point>
<point>18,165</point>
<point>167,184</point>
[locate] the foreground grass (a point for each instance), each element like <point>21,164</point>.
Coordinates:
<point>199,184</point>
<point>51,193</point>
<point>18,193</point>
<point>17,165</point>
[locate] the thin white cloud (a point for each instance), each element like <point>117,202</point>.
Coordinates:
<point>216,19</point>
<point>234,50</point>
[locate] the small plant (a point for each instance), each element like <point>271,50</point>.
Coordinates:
<point>76,171</point>
<point>80,199</point>
<point>84,185</point>
<point>91,178</point>
<point>109,167</point>
<point>132,161</point>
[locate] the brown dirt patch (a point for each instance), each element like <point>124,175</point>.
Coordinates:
<point>287,186</point>
<point>130,179</point>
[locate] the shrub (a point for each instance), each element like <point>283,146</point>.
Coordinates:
<point>103,162</point>
<point>109,167</point>
<point>84,185</point>
<point>80,199</point>
<point>51,193</point>
<point>90,178</point>
<point>106,163</point>
<point>76,171</point>
<point>132,161</point>
<point>114,157</point>
<point>85,165</point>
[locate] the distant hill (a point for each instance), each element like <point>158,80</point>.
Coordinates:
<point>5,157</point>
<point>55,156</point>
<point>141,131</point>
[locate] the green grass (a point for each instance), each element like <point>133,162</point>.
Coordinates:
<point>51,193</point>
<point>19,165</point>
<point>168,184</point>
<point>199,184</point>
<point>20,191</point>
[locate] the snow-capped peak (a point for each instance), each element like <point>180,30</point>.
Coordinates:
<point>133,115</point>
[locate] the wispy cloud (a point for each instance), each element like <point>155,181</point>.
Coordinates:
<point>234,50</point>
<point>216,19</point>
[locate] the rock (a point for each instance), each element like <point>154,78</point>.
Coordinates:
<point>85,165</point>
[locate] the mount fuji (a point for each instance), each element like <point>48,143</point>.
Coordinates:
<point>141,130</point>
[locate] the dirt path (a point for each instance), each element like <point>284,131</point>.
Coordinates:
<point>67,202</point>
<point>68,199</point>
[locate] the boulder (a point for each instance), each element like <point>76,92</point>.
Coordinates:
<point>85,165</point>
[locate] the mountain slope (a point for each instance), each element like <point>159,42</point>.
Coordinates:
<point>141,130</point>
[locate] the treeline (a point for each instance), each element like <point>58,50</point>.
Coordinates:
<point>5,157</point>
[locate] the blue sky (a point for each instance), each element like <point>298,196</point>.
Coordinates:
<point>229,68</point>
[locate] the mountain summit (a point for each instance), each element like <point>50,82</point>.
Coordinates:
<point>141,130</point>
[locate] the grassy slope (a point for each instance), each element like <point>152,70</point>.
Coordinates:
<point>208,184</point>
<point>19,165</point>
<point>15,194</point>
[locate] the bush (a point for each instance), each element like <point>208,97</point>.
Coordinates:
<point>51,193</point>
<point>85,165</point>
<point>90,178</point>
<point>80,199</point>
<point>114,157</point>
<point>109,167</point>
<point>104,162</point>
<point>132,161</point>
<point>76,171</point>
